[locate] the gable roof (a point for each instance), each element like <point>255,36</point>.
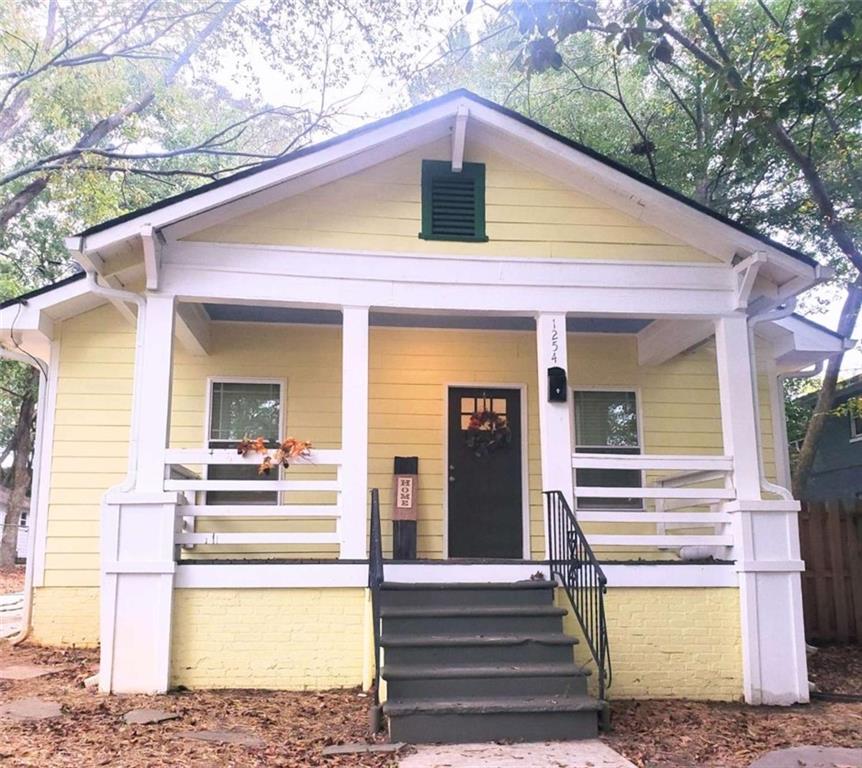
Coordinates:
<point>427,106</point>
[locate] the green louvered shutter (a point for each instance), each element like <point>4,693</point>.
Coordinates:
<point>453,204</point>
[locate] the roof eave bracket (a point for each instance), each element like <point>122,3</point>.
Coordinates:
<point>152,245</point>
<point>459,138</point>
<point>746,275</point>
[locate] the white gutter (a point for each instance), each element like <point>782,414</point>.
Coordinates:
<point>774,314</point>
<point>42,367</point>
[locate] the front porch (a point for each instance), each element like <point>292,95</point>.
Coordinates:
<point>656,494</point>
<point>657,455</point>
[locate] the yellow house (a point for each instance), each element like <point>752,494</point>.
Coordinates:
<point>544,411</point>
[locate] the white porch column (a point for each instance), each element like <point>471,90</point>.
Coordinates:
<point>555,421</point>
<point>354,432</point>
<point>738,415</point>
<point>766,540</point>
<point>138,526</point>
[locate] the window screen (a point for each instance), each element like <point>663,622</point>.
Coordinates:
<point>238,410</point>
<point>607,422</point>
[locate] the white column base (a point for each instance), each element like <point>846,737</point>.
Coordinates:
<point>775,667</point>
<point>137,593</point>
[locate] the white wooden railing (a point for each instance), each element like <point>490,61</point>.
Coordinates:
<point>182,477</point>
<point>679,493</point>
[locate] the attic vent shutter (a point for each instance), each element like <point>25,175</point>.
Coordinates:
<point>453,204</point>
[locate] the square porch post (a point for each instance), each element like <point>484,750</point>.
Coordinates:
<point>138,526</point>
<point>555,420</point>
<point>766,538</point>
<point>354,432</point>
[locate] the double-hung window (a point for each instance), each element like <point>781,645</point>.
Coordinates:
<point>607,422</point>
<point>241,409</point>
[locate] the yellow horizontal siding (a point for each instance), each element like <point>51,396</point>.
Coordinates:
<point>528,215</point>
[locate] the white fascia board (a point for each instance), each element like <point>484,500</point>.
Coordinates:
<point>390,134</point>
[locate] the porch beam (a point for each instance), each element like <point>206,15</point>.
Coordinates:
<point>354,431</point>
<point>662,340</point>
<point>555,421</point>
<point>193,328</point>
<point>275,275</point>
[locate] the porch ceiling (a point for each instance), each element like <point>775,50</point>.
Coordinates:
<point>269,314</point>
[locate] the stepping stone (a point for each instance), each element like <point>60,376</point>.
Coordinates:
<point>148,716</point>
<point>360,749</point>
<point>29,671</point>
<point>811,757</point>
<point>589,753</point>
<point>31,709</point>
<point>225,737</point>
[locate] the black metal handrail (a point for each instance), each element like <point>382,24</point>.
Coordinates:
<point>573,561</point>
<point>375,580</point>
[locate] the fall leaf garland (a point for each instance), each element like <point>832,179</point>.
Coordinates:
<point>288,449</point>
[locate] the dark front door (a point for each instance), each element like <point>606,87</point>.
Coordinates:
<point>485,473</point>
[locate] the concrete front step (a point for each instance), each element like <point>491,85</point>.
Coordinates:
<point>474,619</point>
<point>508,593</point>
<point>467,649</point>
<point>483,681</point>
<point>524,718</point>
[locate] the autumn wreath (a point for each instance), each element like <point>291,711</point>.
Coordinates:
<point>487,432</point>
<point>288,449</point>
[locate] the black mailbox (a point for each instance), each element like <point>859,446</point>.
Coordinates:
<point>557,389</point>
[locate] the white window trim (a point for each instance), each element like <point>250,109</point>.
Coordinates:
<point>855,436</point>
<point>638,414</point>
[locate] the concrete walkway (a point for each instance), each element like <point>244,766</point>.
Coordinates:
<point>562,754</point>
<point>11,613</point>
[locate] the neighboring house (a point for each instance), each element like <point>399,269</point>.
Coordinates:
<point>21,546</point>
<point>457,284</point>
<point>837,470</point>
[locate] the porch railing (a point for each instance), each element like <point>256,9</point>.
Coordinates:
<point>185,472</point>
<point>573,562</point>
<point>679,500</point>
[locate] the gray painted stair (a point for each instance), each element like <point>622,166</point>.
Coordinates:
<point>481,662</point>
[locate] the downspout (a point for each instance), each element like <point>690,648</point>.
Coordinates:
<point>774,314</point>
<point>42,366</point>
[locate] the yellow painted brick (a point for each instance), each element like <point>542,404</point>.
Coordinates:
<point>291,639</point>
<point>66,616</point>
<point>671,642</point>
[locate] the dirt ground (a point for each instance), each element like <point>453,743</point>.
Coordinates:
<point>296,726</point>
<point>688,734</point>
<point>11,579</point>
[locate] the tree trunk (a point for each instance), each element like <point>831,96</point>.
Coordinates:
<point>21,474</point>
<point>826,398</point>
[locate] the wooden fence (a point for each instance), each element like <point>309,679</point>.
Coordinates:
<point>831,537</point>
